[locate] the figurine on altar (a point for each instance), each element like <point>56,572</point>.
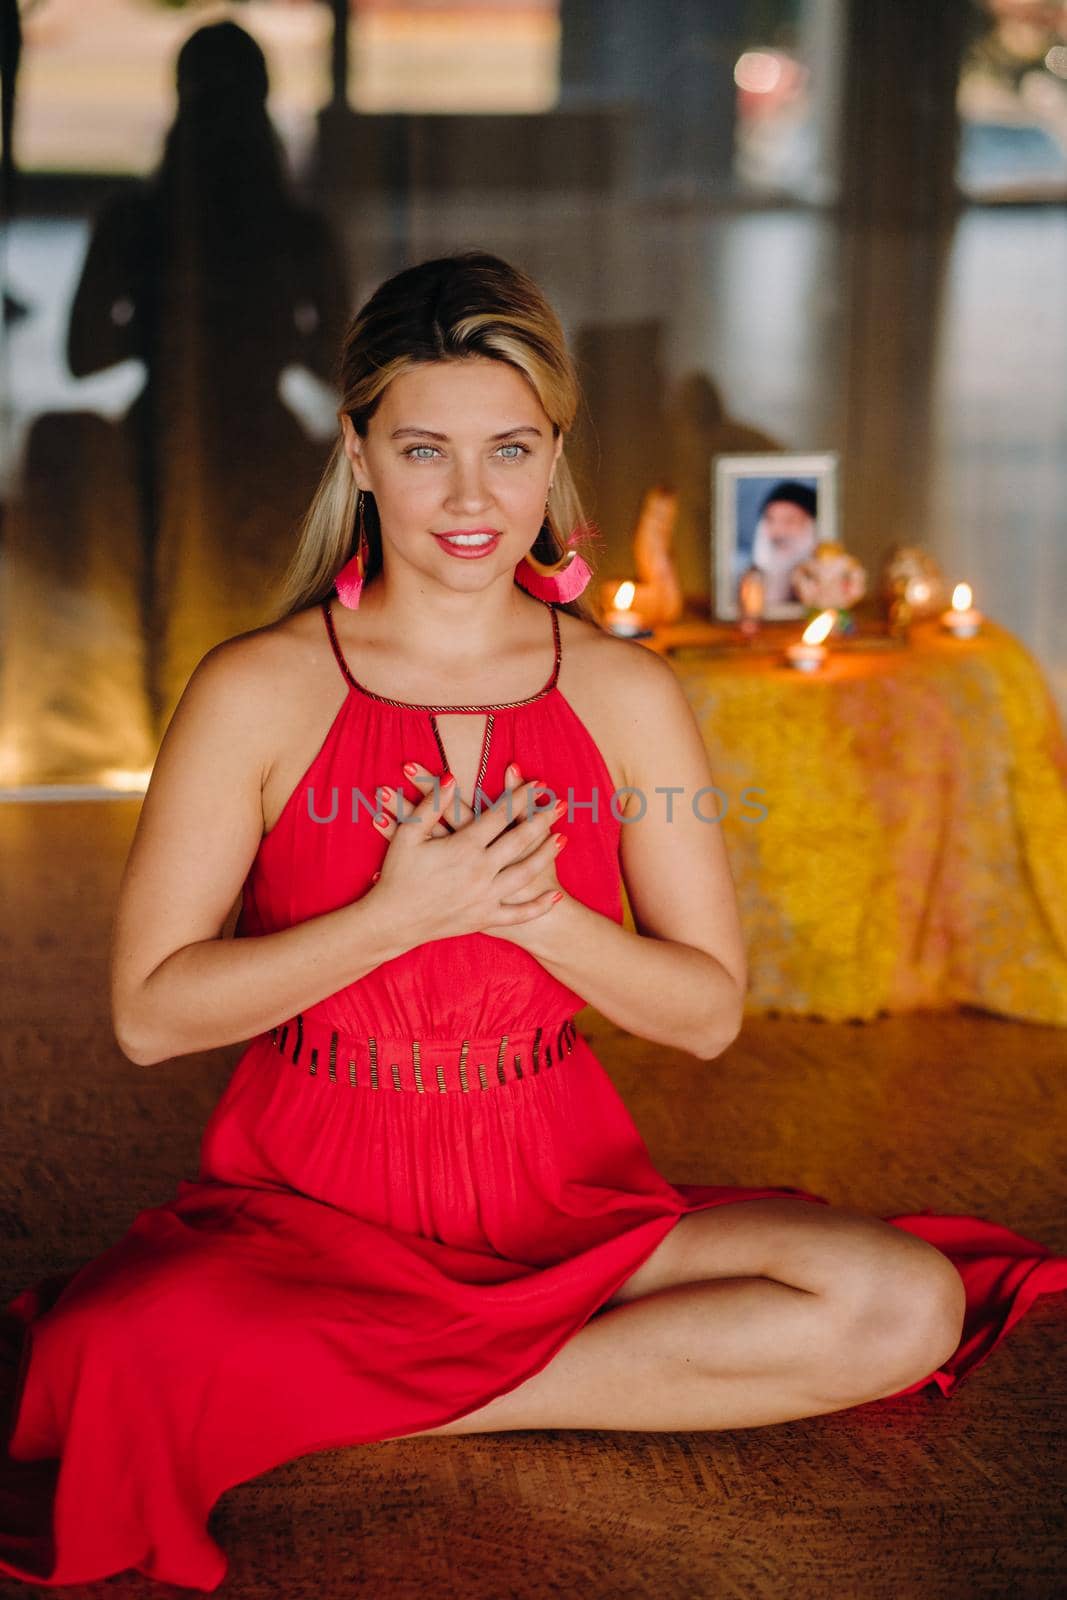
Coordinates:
<point>831,579</point>
<point>657,594</point>
<point>912,577</point>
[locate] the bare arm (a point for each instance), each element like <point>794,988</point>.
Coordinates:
<point>658,989</point>
<point>681,978</point>
<point>177,985</point>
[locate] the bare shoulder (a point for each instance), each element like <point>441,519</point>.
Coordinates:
<point>249,697</point>
<point>289,646</point>
<point>619,688</point>
<point>244,677</point>
<point>201,821</point>
<point>300,687</point>
<point>673,857</point>
<point>282,661</point>
<point>606,656</point>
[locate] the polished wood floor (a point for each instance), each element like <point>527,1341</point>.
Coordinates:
<point>919,1499</point>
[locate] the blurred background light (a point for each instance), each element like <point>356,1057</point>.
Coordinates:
<point>758,71</point>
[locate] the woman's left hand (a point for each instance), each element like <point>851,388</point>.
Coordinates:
<point>459,813</point>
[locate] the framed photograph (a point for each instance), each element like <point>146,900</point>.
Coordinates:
<point>770,512</point>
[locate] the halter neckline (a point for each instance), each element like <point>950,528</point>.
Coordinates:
<point>409,705</point>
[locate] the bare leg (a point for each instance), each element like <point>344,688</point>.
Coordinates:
<point>720,1353</point>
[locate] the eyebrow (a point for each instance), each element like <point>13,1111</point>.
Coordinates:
<point>427,433</point>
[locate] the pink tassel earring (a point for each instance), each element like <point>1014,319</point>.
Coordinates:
<point>349,581</point>
<point>558,581</point>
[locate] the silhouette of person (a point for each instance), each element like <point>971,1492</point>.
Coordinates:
<point>215,276</point>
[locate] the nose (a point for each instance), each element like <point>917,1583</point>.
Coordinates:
<point>467,490</point>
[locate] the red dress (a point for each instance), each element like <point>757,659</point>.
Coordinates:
<point>409,1198</point>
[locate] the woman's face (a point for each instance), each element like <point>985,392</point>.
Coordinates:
<point>465,480</point>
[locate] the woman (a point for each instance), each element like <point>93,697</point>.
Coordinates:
<point>421,1207</point>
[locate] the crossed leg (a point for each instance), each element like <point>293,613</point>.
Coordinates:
<point>750,1313</point>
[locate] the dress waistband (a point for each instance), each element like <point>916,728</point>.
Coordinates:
<point>424,1065</point>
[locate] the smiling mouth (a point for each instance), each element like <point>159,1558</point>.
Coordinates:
<point>473,538</point>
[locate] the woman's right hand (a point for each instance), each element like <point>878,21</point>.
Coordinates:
<point>439,888</point>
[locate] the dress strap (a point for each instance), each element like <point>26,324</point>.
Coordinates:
<point>337,651</point>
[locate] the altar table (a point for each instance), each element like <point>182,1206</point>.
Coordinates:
<point>896,823</point>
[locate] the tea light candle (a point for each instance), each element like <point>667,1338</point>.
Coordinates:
<point>809,654</point>
<point>620,619</point>
<point>963,621</point>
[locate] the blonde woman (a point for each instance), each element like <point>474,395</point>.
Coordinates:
<point>422,1208</point>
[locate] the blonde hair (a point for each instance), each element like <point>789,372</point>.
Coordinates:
<point>449,309</point>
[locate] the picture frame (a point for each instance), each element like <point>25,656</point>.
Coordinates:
<point>801,493</point>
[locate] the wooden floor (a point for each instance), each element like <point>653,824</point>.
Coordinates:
<point>918,1499</point>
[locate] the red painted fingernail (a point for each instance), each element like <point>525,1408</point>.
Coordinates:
<point>557,896</point>
<point>561,840</point>
<point>411,767</point>
<point>375,878</point>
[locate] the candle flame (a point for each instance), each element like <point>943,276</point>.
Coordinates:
<point>818,627</point>
<point>961,597</point>
<point>624,596</point>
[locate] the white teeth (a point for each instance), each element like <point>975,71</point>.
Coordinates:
<point>470,538</point>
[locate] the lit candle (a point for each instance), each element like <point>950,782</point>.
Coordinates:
<point>962,620</point>
<point>809,653</point>
<point>621,618</point>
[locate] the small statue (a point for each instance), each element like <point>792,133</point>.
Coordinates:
<point>831,579</point>
<point>911,575</point>
<point>657,594</point>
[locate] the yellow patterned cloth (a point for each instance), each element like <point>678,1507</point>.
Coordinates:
<point>896,825</point>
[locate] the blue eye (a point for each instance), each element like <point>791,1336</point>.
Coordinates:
<point>412,454</point>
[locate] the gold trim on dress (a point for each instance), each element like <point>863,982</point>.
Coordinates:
<point>528,1056</point>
